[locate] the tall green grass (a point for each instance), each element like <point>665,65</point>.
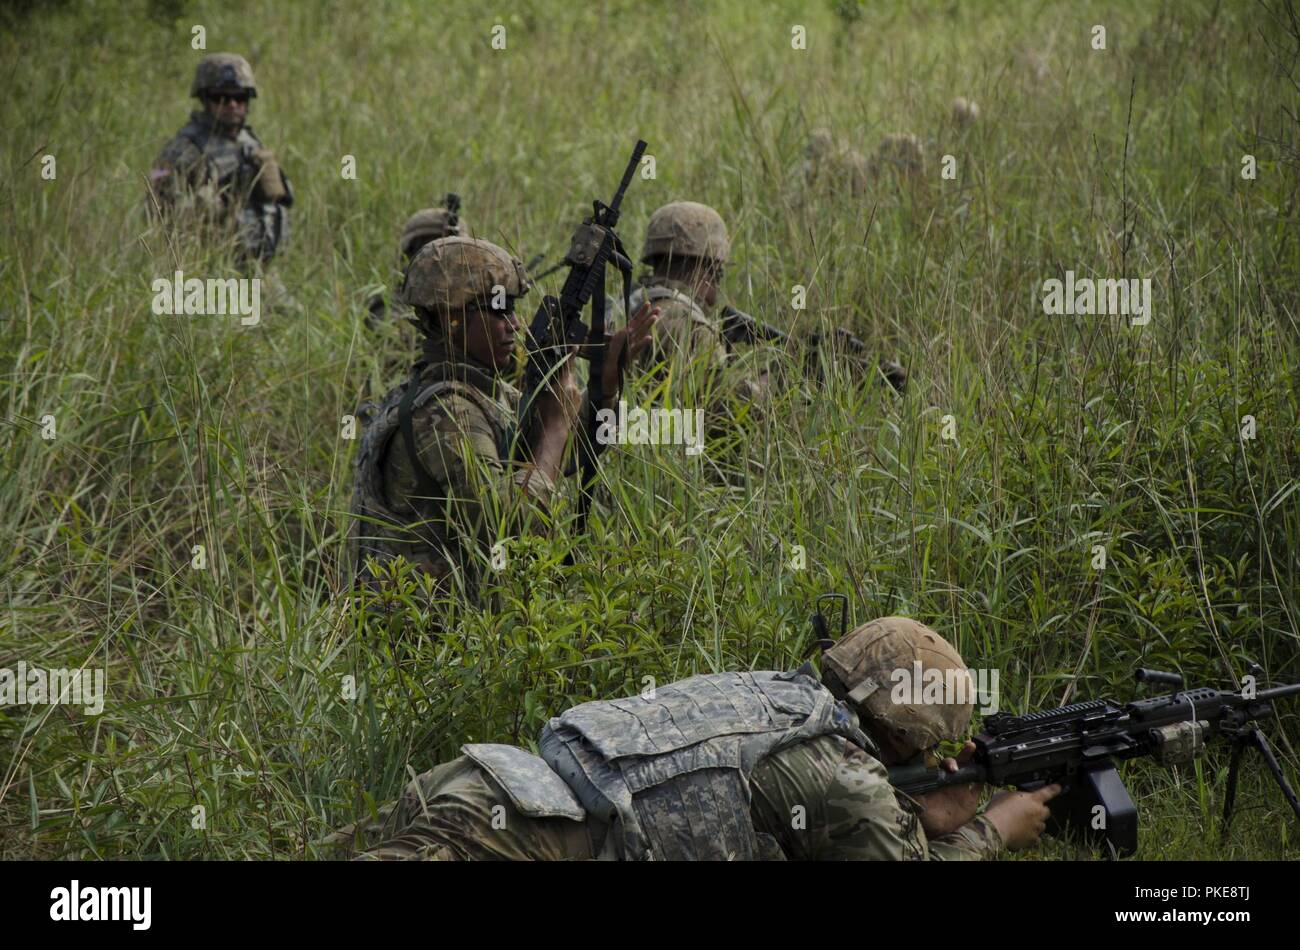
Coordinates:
<point>226,685</point>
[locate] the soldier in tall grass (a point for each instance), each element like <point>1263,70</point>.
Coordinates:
<point>423,227</point>
<point>686,248</point>
<point>437,479</point>
<point>217,173</point>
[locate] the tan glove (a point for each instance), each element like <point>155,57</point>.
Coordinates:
<point>270,183</point>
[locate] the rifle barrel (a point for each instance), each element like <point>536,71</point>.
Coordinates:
<point>1278,692</point>
<point>919,778</point>
<point>628,172</point>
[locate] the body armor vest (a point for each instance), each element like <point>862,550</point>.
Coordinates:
<point>263,226</point>
<point>670,775</point>
<point>370,509</point>
<point>657,293</point>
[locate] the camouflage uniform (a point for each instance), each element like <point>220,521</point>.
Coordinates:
<point>682,231</point>
<point>235,185</point>
<point>688,351</point>
<point>852,812</point>
<point>457,812</point>
<point>817,791</point>
<point>684,331</point>
<point>901,151</point>
<point>826,165</point>
<point>687,344</point>
<point>461,417</point>
<point>441,487</point>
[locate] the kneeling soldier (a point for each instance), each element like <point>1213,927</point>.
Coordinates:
<point>436,478</point>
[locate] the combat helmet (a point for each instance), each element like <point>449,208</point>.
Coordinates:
<point>430,224</point>
<point>453,272</point>
<point>686,229</point>
<point>218,71</point>
<point>965,111</point>
<point>874,667</point>
<point>820,144</point>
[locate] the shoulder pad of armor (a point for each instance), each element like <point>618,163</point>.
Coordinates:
<point>670,300</point>
<point>531,784</point>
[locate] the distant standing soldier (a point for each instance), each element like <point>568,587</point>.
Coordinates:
<point>421,228</point>
<point>216,167</point>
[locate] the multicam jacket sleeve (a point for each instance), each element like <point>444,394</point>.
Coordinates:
<point>826,800</point>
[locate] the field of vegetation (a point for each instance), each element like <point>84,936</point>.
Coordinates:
<point>257,703</point>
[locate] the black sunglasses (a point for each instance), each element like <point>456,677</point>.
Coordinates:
<point>484,305</point>
<point>220,97</point>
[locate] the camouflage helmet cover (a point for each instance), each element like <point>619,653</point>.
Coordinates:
<point>452,272</point>
<point>903,150</point>
<point>686,229</point>
<point>864,668</point>
<point>965,111</point>
<point>820,144</point>
<point>223,71</point>
<point>430,223</point>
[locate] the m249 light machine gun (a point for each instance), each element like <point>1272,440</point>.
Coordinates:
<point>1078,745</point>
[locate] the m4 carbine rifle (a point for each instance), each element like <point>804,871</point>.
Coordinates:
<point>739,328</point>
<point>558,325</point>
<point>1077,746</point>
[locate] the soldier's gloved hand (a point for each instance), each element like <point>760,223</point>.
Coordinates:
<point>1021,817</point>
<point>948,809</point>
<point>633,339</point>
<point>270,183</point>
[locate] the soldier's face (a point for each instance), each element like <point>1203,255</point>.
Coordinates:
<point>228,108</point>
<point>489,336</point>
<point>893,752</point>
<point>708,278</point>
